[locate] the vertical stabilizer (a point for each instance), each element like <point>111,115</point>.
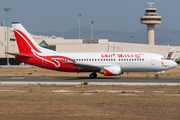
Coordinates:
<point>26,44</point>
<point>170,54</point>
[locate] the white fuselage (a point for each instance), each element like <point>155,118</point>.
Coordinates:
<point>128,61</point>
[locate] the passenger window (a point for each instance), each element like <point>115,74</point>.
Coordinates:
<point>89,59</point>
<point>124,59</point>
<point>142,59</point>
<point>84,59</point>
<point>106,59</point>
<point>76,59</point>
<point>137,59</point>
<point>129,59</point>
<point>95,59</point>
<point>121,59</point>
<point>92,59</point>
<point>98,59</point>
<point>134,59</point>
<point>114,59</point>
<point>111,59</point>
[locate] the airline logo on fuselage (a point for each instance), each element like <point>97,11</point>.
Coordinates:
<point>121,55</point>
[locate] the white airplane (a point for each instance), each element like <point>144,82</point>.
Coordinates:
<point>107,63</point>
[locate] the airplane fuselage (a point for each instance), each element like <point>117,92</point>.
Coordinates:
<point>128,61</point>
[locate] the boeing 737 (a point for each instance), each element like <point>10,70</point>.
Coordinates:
<point>107,63</point>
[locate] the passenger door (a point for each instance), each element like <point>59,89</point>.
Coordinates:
<point>153,60</point>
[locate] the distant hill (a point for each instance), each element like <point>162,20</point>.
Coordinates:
<point>48,33</point>
<point>162,36</point>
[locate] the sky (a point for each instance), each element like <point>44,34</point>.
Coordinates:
<point>108,15</point>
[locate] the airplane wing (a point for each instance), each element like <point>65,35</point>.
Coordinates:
<point>88,67</point>
<point>17,54</point>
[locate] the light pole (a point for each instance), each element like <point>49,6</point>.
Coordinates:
<point>92,29</point>
<point>80,25</point>
<point>131,38</point>
<point>7,10</point>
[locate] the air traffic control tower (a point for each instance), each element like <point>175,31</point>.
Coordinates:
<point>150,18</point>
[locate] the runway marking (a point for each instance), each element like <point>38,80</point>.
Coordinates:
<point>17,77</point>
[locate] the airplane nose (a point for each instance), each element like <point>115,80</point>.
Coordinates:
<point>173,64</point>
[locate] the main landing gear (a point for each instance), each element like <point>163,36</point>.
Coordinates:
<point>156,76</point>
<point>93,75</point>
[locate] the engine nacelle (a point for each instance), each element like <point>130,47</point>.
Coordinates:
<point>111,71</point>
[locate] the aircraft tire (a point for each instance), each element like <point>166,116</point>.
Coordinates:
<point>156,76</point>
<point>93,75</point>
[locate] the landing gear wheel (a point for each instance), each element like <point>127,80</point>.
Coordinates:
<point>93,75</point>
<point>156,76</point>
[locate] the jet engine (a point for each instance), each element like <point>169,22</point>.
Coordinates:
<point>111,71</point>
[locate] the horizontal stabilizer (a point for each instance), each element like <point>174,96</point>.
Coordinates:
<point>17,54</point>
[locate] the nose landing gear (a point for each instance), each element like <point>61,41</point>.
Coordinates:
<point>156,76</point>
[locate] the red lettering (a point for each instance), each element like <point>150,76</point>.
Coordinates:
<point>120,55</point>
<point>108,55</point>
<point>126,55</point>
<point>137,55</point>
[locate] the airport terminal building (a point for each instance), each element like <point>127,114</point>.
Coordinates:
<point>74,45</point>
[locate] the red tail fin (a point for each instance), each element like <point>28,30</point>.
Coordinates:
<point>25,42</point>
